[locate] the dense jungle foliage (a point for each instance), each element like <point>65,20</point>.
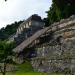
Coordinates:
<point>9,30</point>
<point>60,9</point>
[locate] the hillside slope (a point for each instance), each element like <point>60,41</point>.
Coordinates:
<point>9,30</point>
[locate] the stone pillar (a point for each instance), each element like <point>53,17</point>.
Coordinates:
<point>43,51</point>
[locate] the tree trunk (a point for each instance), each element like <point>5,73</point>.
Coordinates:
<point>4,73</point>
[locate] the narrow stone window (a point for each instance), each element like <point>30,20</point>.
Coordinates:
<point>17,30</point>
<point>24,26</point>
<point>29,23</point>
<point>21,29</point>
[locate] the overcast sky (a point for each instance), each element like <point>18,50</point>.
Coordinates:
<point>15,10</point>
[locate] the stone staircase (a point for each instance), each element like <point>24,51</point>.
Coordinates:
<point>29,40</point>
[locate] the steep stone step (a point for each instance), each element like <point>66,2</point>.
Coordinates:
<point>28,41</point>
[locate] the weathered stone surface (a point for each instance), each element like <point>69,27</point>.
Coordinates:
<point>57,54</point>
<point>9,67</point>
<point>61,56</point>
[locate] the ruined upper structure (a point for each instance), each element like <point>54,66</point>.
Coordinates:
<point>32,21</point>
<point>28,28</point>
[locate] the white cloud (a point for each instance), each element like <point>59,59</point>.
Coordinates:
<point>15,10</point>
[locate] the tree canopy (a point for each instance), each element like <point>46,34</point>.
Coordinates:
<point>9,30</point>
<point>60,9</point>
<point>5,55</point>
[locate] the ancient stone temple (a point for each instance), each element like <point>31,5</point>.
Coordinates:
<point>28,28</point>
<point>54,45</point>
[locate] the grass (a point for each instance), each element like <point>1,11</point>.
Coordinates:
<point>26,69</point>
<point>30,73</point>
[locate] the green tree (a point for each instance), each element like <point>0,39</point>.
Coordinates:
<point>5,55</point>
<point>60,9</point>
<point>9,30</point>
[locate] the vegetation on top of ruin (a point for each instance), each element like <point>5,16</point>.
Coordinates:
<point>60,9</point>
<point>9,30</point>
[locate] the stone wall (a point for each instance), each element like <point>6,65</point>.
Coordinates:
<point>59,54</point>
<point>57,58</point>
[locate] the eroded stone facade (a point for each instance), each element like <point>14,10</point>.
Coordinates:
<point>58,55</point>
